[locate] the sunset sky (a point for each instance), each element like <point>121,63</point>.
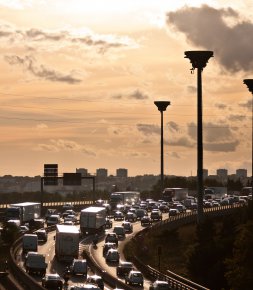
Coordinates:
<point>79,78</point>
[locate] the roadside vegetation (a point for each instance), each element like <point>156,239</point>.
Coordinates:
<point>217,254</point>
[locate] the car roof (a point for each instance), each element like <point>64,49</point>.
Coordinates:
<point>51,276</point>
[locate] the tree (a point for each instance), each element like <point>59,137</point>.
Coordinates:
<point>240,273</point>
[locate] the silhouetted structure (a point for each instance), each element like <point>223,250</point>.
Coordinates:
<point>162,106</point>
<point>249,84</point>
<point>199,60</point>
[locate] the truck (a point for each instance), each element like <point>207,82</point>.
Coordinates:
<point>66,243</point>
<point>35,263</point>
<point>24,212</point>
<point>30,243</point>
<point>175,193</point>
<point>123,197</point>
<point>215,192</point>
<point>92,220</point>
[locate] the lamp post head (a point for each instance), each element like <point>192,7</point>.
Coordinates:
<point>249,84</point>
<point>162,105</point>
<point>198,58</point>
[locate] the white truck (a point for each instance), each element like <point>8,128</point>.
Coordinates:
<point>92,220</point>
<point>175,193</point>
<point>24,212</point>
<point>66,243</point>
<point>215,192</point>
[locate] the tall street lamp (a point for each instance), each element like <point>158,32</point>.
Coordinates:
<point>162,106</point>
<point>199,60</point>
<point>249,84</point>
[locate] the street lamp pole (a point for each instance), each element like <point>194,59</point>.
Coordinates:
<point>162,106</point>
<point>249,84</point>
<point>199,60</point>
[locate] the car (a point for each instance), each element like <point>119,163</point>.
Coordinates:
<point>36,224</point>
<point>131,217</point>
<point>67,206</point>
<point>53,220</point>
<point>107,246</point>
<point>71,217</point>
<point>112,237</point>
<point>96,280</point>
<point>128,227</point>
<point>23,229</point>
<point>118,215</point>
<point>146,220</point>
<point>134,278</point>
<point>79,267</point>
<point>52,281</point>
<point>140,212</point>
<point>68,212</point>
<point>156,215</point>
<point>84,287</point>
<point>173,212</point>
<point>112,256</point>
<point>108,223</point>
<point>68,223</point>
<point>181,208</point>
<point>124,268</point>
<point>42,235</point>
<point>159,285</point>
<point>120,231</point>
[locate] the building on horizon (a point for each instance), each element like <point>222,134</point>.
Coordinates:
<point>205,173</point>
<point>222,173</point>
<point>121,172</point>
<point>241,173</point>
<point>83,171</point>
<point>102,172</point>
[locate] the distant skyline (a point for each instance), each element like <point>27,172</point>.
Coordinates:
<point>79,79</point>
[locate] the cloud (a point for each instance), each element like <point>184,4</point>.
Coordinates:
<point>191,89</point>
<point>207,27</point>
<point>40,71</point>
<point>65,145</point>
<point>175,155</point>
<point>220,106</point>
<point>42,126</point>
<point>235,118</point>
<point>173,127</point>
<point>222,147</point>
<point>183,141</point>
<point>247,105</point>
<point>148,129</point>
<point>136,95</point>
<point>101,42</point>
<point>211,131</point>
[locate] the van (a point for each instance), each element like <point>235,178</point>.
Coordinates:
<point>35,263</point>
<point>53,220</point>
<point>30,243</point>
<point>79,267</point>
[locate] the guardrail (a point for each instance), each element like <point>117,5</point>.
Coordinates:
<point>175,281</point>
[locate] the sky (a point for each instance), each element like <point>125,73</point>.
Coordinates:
<point>79,78</point>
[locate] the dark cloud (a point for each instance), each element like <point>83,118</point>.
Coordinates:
<point>173,127</point>
<point>206,27</point>
<point>235,118</point>
<point>148,129</point>
<point>222,147</point>
<point>220,106</point>
<point>212,132</point>
<point>136,95</point>
<point>29,64</point>
<point>40,35</point>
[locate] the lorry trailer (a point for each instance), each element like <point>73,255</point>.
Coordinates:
<point>66,243</point>
<point>92,220</point>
